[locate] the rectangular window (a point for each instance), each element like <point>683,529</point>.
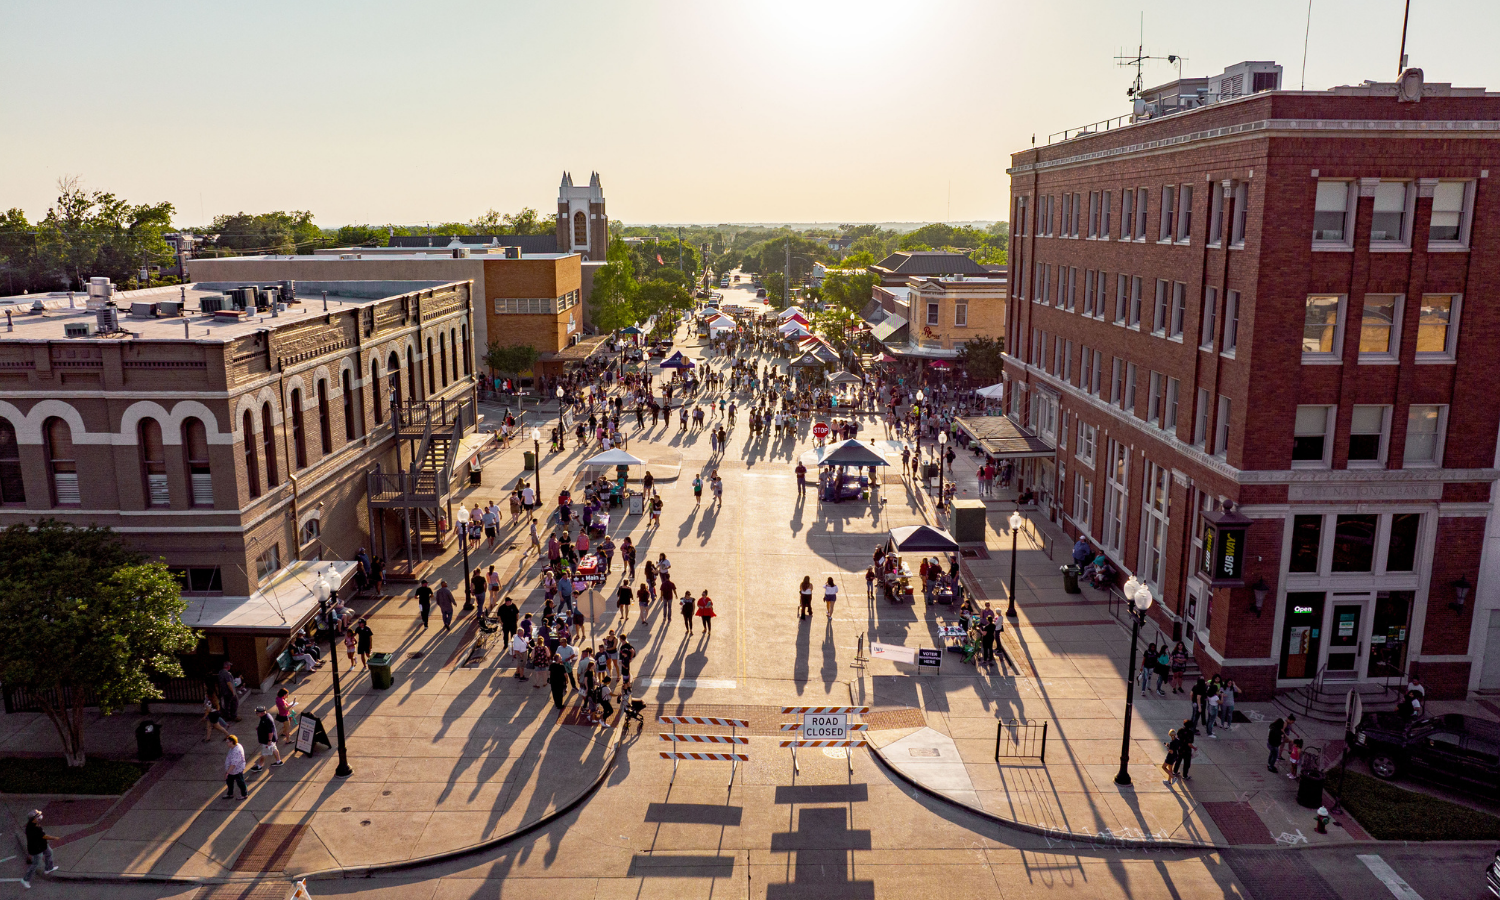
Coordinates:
<point>1424,436</point>
<point>1122,296</point>
<point>1450,220</point>
<point>1169,415</point>
<point>932,314</point>
<point>1154,523</point>
<point>1098,367</point>
<point>1067,367</point>
<point>1117,381</point>
<point>1331,212</point>
<point>1238,216</point>
<point>1127,216</point>
<point>1378,337</point>
<point>1087,434</point>
<point>1437,327</point>
<point>961,314</point>
<point>1159,317</point>
<point>1367,431</point>
<point>1093,214</point>
<point>1210,318</point>
<point>1067,215</point>
<point>1077,214</point>
<point>268,563</point>
<point>1231,321</point>
<point>1179,309</point>
<point>1185,213</point>
<point>1036,342</point>
<point>1321,327</point>
<point>1354,542</point>
<point>1215,214</point>
<point>1129,404</point>
<point>1401,546</point>
<point>1057,346</point>
<point>1086,368</point>
<point>1140,214</point>
<point>1089,276</point>
<point>1083,501</point>
<point>198,579</point>
<point>1155,398</point>
<point>1200,418</point>
<point>1105,198</point>
<point>1307,540</point>
<point>1168,214</point>
<point>1221,429</point>
<point>1116,496</point>
<point>1388,223</point>
<point>1072,290</point>
<point>1310,442</point>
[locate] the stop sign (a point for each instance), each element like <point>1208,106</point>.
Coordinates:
<point>820,430</point>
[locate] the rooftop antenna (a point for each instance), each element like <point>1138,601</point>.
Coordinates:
<point>1305,35</point>
<point>1139,61</point>
<point>1405,17</point>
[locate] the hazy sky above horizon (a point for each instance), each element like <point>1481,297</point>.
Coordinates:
<point>690,110</point>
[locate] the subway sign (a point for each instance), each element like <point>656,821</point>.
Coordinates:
<point>1223,558</point>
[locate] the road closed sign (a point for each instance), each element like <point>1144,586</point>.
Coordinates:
<point>819,726</point>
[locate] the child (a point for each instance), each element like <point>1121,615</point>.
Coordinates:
<point>1295,757</point>
<point>1169,765</point>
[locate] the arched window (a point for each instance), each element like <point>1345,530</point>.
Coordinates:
<point>299,439</point>
<point>153,463</point>
<point>252,471</point>
<point>268,437</point>
<point>412,371</point>
<point>443,357</point>
<point>375,405</point>
<point>62,465</point>
<point>467,356</point>
<point>195,446</point>
<point>431,379</point>
<point>12,485</point>
<point>349,431</point>
<point>453,341</point>
<point>325,421</point>
<point>580,228</point>
<point>393,366</point>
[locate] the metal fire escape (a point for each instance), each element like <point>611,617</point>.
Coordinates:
<point>427,434</point>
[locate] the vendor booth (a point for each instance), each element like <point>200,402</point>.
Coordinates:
<point>836,481</point>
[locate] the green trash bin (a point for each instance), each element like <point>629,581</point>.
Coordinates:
<point>380,671</point>
<point>530,461</point>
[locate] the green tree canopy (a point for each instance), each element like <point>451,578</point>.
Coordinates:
<point>527,221</point>
<point>83,615</point>
<point>981,357</point>
<point>851,292</point>
<point>272,232</point>
<point>511,359</point>
<point>86,234</point>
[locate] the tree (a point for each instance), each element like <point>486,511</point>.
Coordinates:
<point>981,358</point>
<point>83,617</point>
<point>851,292</point>
<point>834,324</point>
<point>527,221</point>
<point>511,359</point>
<point>272,232</point>
<point>362,236</point>
<point>89,233</point>
<point>612,302</point>
<point>659,296</point>
<point>877,246</point>
<point>862,259</point>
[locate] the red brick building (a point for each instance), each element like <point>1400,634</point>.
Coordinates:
<point>1286,301</point>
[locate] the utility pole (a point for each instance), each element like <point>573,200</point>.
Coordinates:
<point>679,251</point>
<point>787,287</point>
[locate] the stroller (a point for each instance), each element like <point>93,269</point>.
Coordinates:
<point>633,713</point>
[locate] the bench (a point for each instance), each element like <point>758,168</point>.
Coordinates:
<point>289,666</point>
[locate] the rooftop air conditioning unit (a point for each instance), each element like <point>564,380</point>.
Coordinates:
<point>79,329</point>
<point>169,308</point>
<point>211,303</point>
<point>100,290</point>
<point>142,310</point>
<point>460,252</point>
<point>108,317</point>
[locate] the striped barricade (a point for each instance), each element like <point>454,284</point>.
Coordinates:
<point>734,759</point>
<point>797,726</point>
<point>804,710</point>
<point>848,745</point>
<point>704,738</point>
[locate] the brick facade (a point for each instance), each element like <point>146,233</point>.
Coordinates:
<point>1253,167</point>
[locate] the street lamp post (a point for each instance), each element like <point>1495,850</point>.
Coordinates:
<point>561,429</point>
<point>325,593</point>
<point>942,478</point>
<point>463,544</point>
<point>1015,523</point>
<point>1138,599</point>
<point>536,460</point>
<point>917,424</point>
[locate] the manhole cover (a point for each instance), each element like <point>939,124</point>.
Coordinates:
<point>974,553</point>
<point>925,752</point>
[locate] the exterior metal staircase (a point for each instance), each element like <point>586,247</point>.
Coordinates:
<point>1323,701</point>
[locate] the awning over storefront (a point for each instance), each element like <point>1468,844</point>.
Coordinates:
<point>1001,438</point>
<point>285,604</point>
<point>892,328</point>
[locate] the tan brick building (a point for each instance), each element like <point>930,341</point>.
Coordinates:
<point>234,446</point>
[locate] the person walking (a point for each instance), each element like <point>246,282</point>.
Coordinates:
<point>627,558</point>
<point>830,595</point>
<point>688,606</point>
<point>445,601</point>
<point>424,601</point>
<point>38,848</point>
<point>492,581</point>
<point>364,642</point>
<point>229,699</point>
<point>234,769</point>
<point>557,678</point>
<point>717,485</point>
<point>1274,737</point>
<point>285,703</point>
<point>509,615</point>
<point>706,613</point>
<point>265,733</point>
<point>1185,749</point>
<point>212,717</point>
<point>869,582</point>
<point>801,471</point>
<point>623,601</point>
<point>987,638</point>
<point>697,490</point>
<point>804,598</point>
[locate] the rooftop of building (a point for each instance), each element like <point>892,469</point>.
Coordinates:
<point>930,262</point>
<point>485,251</point>
<point>46,317</point>
<point>529,243</point>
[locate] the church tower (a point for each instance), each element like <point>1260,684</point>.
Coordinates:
<point>582,225</point>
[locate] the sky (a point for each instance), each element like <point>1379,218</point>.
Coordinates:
<point>691,110</point>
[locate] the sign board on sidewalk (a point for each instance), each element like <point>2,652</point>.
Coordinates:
<point>299,891</point>
<point>310,731</point>
<point>929,658</point>
<point>893,652</point>
<point>825,725</point>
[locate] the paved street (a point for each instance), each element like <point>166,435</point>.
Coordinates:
<point>454,756</point>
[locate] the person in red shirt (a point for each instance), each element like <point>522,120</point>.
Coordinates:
<point>706,613</point>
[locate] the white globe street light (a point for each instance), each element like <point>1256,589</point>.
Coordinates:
<point>1138,599</point>
<point>1015,522</point>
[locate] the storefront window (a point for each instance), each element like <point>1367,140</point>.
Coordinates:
<point>1307,534</point>
<point>1388,632</point>
<point>1401,551</point>
<point>1300,634</point>
<point>1354,543</point>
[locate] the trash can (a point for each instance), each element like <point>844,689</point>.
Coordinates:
<point>1310,790</point>
<point>1070,579</point>
<point>929,470</point>
<point>530,461</point>
<point>474,476</point>
<point>148,740</point>
<point>380,671</point>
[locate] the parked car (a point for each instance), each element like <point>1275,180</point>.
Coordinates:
<point>760,294</point>
<point>1447,747</point>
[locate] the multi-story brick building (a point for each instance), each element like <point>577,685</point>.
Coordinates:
<point>236,446</point>
<point>534,299</point>
<point>1286,301</point>
<point>933,316</point>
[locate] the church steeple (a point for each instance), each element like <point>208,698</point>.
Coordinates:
<point>567,181</point>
